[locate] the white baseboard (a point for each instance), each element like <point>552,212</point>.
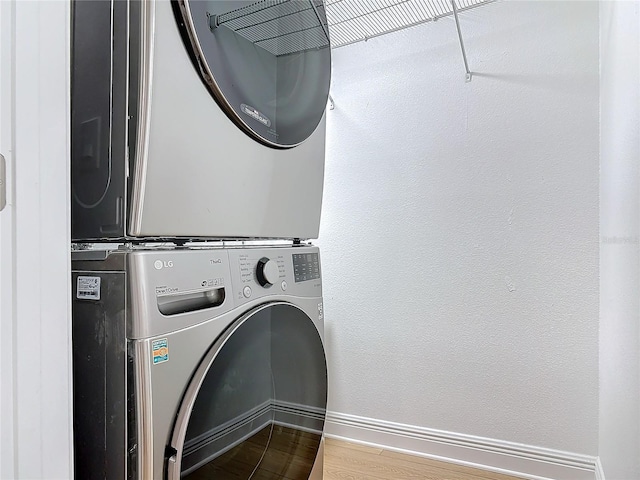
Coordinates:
<point>599,470</point>
<point>517,459</point>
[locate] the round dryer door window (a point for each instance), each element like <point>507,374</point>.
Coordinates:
<point>256,405</point>
<point>267,63</point>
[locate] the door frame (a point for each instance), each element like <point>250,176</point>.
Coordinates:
<point>7,277</point>
<point>35,306</point>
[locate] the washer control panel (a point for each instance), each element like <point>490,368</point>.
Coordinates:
<point>176,288</point>
<point>258,272</point>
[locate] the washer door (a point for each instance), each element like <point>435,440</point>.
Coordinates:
<point>267,63</point>
<point>256,404</point>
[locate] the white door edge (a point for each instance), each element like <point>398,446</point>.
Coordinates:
<point>35,303</point>
<point>7,270</point>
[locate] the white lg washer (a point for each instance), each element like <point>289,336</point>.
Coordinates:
<point>198,364</point>
<point>198,119</point>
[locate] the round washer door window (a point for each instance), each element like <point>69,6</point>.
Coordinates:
<point>256,406</point>
<point>267,63</point>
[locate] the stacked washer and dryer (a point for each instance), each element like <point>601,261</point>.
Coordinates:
<point>198,140</point>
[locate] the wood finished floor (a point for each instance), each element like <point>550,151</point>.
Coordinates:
<point>291,454</point>
<point>349,461</point>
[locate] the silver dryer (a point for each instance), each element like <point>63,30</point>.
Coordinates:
<point>198,119</point>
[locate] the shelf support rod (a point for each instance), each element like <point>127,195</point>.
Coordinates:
<point>323,25</point>
<point>464,53</point>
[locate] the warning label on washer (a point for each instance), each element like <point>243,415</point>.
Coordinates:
<point>160,351</point>
<point>88,288</point>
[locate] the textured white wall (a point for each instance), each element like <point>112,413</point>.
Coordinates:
<point>619,445</point>
<point>460,226</point>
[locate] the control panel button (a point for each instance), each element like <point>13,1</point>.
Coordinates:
<point>267,272</point>
<point>246,291</point>
<point>284,286</point>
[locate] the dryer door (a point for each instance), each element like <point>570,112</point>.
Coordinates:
<point>266,62</point>
<point>256,404</point>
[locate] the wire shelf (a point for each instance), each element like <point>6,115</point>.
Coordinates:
<point>279,26</point>
<point>352,21</point>
<point>288,26</point>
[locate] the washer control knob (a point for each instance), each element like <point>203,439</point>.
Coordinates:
<point>267,272</point>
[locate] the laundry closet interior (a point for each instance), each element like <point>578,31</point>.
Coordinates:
<point>406,226</point>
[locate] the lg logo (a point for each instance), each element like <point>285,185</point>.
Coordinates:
<point>159,264</point>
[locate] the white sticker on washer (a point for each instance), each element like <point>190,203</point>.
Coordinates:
<point>88,288</point>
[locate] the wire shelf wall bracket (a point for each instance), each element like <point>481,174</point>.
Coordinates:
<point>469,74</point>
